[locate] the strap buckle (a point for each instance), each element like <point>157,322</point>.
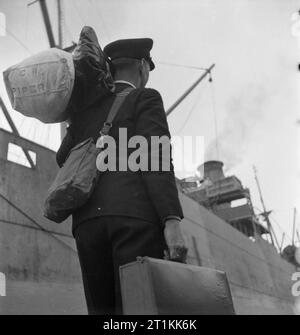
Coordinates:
<point>108,124</point>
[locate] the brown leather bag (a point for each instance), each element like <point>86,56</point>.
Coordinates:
<point>158,287</point>
<point>77,178</point>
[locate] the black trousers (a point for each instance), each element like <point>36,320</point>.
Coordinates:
<point>103,244</point>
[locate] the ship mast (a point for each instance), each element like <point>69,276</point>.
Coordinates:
<point>188,91</point>
<point>47,22</point>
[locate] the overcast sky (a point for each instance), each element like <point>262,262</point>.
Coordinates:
<point>255,90</point>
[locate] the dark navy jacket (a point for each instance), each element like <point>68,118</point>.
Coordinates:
<point>148,195</point>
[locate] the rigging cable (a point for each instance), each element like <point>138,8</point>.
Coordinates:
<point>190,111</point>
<point>181,65</point>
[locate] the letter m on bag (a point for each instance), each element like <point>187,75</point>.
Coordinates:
<point>2,285</point>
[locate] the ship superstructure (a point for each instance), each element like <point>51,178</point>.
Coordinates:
<point>218,193</point>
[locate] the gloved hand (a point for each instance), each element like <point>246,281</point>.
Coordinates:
<point>177,251</point>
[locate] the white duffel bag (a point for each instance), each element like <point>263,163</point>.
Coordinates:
<point>41,85</point>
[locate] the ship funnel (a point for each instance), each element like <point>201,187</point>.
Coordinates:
<point>212,170</point>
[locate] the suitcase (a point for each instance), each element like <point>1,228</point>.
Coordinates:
<point>151,286</point>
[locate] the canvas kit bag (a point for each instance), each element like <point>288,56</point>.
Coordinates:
<point>46,85</point>
<point>41,85</point>
<point>77,178</point>
<point>151,286</point>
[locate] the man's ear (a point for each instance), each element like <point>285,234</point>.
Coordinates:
<point>142,66</point>
<point>146,64</point>
<point>143,62</point>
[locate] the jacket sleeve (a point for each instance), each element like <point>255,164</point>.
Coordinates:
<point>161,186</point>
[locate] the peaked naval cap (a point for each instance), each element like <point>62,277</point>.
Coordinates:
<point>136,48</point>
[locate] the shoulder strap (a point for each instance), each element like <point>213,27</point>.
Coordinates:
<point>120,97</point>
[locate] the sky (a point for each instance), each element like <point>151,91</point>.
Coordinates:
<point>252,104</point>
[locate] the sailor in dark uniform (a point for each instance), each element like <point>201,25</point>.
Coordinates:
<point>130,213</point>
